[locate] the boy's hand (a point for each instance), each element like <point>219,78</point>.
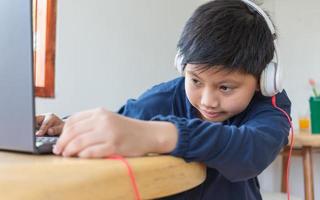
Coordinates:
<point>100,133</point>
<point>49,124</point>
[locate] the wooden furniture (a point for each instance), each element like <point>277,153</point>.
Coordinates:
<point>34,177</point>
<point>304,145</point>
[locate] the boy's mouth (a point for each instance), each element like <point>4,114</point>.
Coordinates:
<point>210,114</point>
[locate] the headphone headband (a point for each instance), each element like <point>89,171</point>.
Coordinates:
<point>262,13</point>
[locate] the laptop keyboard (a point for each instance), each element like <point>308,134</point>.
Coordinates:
<point>45,140</point>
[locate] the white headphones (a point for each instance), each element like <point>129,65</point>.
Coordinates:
<point>270,80</point>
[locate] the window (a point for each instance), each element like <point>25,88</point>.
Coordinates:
<point>44,33</point>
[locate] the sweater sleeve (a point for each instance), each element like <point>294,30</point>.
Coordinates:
<point>239,153</point>
<point>157,100</point>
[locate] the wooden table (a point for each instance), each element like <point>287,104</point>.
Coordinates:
<point>304,144</point>
<point>34,177</point>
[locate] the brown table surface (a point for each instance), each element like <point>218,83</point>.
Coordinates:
<point>34,177</point>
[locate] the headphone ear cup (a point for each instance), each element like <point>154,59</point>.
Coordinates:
<point>178,62</point>
<point>269,79</point>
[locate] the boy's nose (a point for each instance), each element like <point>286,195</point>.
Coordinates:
<point>209,99</point>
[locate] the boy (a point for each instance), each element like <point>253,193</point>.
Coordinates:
<point>214,114</point>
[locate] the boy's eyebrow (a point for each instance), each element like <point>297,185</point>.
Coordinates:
<point>194,74</point>
<point>232,81</point>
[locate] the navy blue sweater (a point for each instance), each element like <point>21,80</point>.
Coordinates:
<point>235,151</point>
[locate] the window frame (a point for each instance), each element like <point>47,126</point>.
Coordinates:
<point>48,36</point>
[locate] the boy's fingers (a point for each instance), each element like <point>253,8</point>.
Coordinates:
<point>80,142</point>
<point>95,151</point>
<point>55,130</point>
<point>43,130</point>
<point>70,132</point>
<point>46,123</point>
<point>39,120</point>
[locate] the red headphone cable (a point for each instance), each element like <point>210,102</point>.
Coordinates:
<point>291,144</point>
<point>130,173</point>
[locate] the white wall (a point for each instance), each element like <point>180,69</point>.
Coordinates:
<point>109,51</point>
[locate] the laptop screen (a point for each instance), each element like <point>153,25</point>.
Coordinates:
<point>16,76</point>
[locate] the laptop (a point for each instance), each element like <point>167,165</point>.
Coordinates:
<point>17,107</point>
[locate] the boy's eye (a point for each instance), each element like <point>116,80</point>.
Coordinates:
<point>195,81</point>
<point>225,88</point>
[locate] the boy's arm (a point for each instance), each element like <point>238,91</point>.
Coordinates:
<point>239,153</point>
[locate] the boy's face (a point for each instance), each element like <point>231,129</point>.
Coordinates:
<point>218,94</point>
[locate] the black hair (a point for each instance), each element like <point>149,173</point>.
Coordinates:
<point>230,34</point>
